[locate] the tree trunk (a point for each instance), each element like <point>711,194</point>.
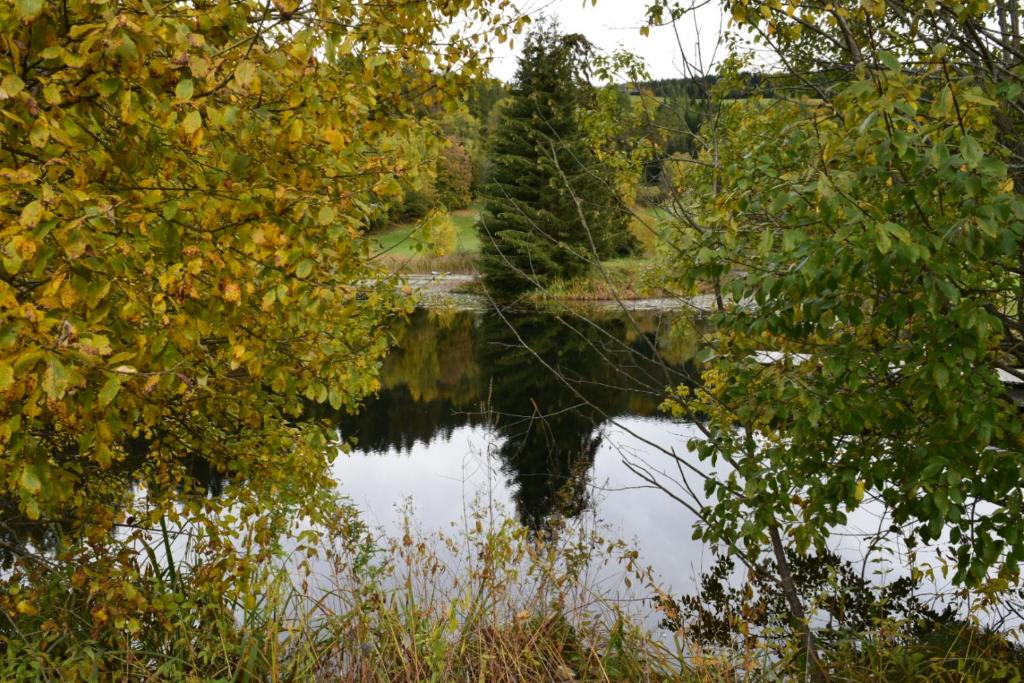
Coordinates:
<point>816,671</point>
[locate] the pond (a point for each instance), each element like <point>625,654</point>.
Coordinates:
<point>545,416</point>
<point>553,418</point>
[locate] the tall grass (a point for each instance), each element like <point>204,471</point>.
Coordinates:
<point>460,262</point>
<point>622,279</point>
<point>492,602</point>
<point>489,602</point>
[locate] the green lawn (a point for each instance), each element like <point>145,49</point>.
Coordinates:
<point>399,240</point>
<point>629,275</point>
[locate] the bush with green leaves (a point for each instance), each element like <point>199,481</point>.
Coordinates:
<point>183,187</point>
<point>868,230</point>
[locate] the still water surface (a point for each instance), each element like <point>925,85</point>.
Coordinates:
<point>541,415</point>
<point>547,417</point>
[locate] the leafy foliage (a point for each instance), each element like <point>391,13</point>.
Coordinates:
<point>183,186</point>
<point>867,631</point>
<point>873,234</point>
<point>454,176</point>
<point>367,619</point>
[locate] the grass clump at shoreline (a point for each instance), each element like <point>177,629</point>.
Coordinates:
<point>457,263</point>
<point>494,602</point>
<point>490,602</point>
<point>626,279</point>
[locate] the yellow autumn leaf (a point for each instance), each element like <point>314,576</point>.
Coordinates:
<point>231,292</point>
<point>192,122</point>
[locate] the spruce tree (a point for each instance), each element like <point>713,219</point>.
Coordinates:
<point>550,208</point>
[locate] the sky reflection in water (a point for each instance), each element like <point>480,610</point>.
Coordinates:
<point>467,413</point>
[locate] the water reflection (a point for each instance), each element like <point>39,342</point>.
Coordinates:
<point>542,384</point>
<point>532,389</point>
<point>22,536</point>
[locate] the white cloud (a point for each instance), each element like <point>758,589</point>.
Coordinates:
<point>615,24</point>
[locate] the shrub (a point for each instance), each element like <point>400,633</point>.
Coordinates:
<point>419,200</point>
<point>439,233</point>
<point>454,177</point>
<point>650,195</point>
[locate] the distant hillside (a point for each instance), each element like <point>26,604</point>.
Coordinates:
<point>760,84</point>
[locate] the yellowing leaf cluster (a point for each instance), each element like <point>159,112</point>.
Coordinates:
<point>179,181</point>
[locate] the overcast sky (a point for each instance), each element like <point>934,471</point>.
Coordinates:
<point>614,24</point>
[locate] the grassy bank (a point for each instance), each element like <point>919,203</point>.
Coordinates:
<point>493,602</point>
<point>623,279</point>
<point>401,249</point>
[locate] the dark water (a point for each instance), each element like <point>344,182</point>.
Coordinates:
<point>541,414</point>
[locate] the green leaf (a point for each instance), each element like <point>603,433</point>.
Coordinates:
<point>6,377</point>
<point>40,134</point>
<point>245,74</point>
<point>335,398</point>
<point>11,86</point>
<point>897,231</point>
<point>858,89</point>
<point>28,9</point>
<point>184,89</point>
<point>55,379</point>
<point>32,214</point>
<point>51,93</point>
<point>326,215</point>
<point>304,268</point>
<point>12,264</point>
<point>890,61</point>
<point>814,412</point>
<point>110,86</point>
<point>109,390</point>
<point>316,391</point>
<point>971,151</point>
<point>882,240</point>
<point>995,168</point>
<point>956,495</point>
<point>30,480</point>
<point>974,95</point>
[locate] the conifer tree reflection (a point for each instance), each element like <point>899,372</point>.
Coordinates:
<point>544,384</point>
<point>546,433</point>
